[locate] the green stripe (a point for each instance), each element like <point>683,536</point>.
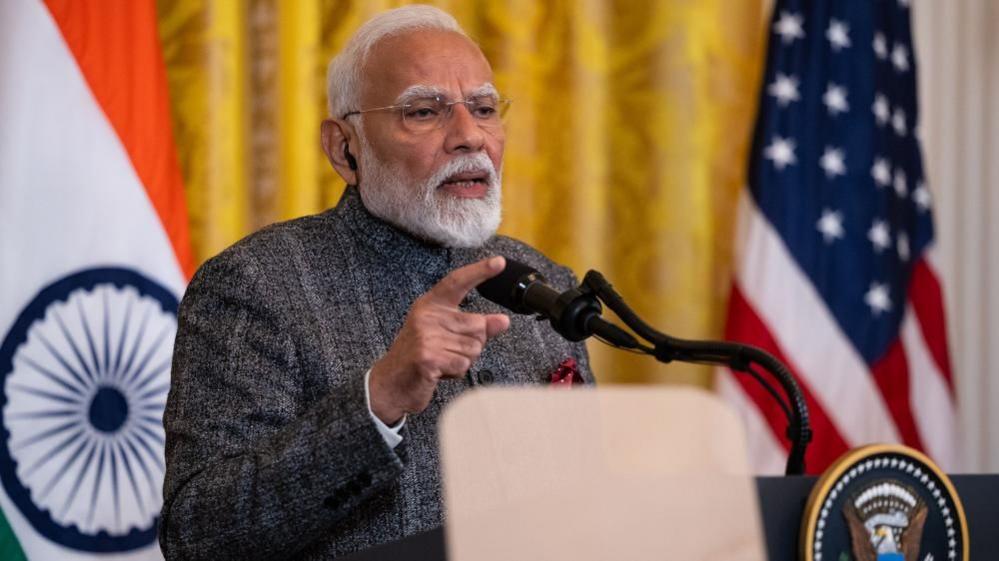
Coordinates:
<point>10,548</point>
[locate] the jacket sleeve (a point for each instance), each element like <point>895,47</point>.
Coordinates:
<point>251,473</point>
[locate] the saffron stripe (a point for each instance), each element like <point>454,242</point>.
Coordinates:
<point>116,46</point>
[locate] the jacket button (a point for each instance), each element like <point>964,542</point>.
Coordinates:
<point>486,377</point>
<point>364,479</point>
<point>331,503</point>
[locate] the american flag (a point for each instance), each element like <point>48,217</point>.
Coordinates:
<point>835,272</point>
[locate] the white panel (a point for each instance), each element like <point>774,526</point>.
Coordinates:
<point>959,77</point>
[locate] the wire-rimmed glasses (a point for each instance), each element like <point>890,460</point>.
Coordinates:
<point>424,114</point>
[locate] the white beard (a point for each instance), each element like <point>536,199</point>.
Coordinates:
<point>426,211</point>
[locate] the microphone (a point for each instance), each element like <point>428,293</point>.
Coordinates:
<point>574,314</point>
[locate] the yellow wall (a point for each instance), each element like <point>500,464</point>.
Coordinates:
<point>626,140</point>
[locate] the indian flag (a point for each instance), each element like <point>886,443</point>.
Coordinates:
<point>94,257</point>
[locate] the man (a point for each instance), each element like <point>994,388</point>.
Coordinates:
<point>314,357</point>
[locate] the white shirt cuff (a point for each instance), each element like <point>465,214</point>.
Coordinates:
<point>390,434</point>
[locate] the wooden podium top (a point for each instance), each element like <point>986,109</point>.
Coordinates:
<point>596,474</point>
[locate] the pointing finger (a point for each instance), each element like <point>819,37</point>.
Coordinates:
<point>453,288</point>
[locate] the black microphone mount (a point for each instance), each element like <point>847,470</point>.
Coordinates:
<point>736,356</point>
<point>576,314</point>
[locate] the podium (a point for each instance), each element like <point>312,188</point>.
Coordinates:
<point>620,473</point>
<point>782,503</point>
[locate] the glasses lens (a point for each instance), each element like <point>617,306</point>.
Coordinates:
<point>425,113</point>
<point>488,110</point>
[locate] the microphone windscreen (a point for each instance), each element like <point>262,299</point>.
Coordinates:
<point>505,288</point>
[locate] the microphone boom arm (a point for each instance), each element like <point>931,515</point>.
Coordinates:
<point>736,356</point>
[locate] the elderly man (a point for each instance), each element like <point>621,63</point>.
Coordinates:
<point>314,357</point>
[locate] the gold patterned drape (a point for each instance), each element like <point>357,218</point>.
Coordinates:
<point>626,141</point>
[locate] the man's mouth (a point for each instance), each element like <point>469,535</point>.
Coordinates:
<point>469,184</point>
<point>467,180</point>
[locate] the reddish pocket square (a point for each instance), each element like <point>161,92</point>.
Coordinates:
<point>566,374</point>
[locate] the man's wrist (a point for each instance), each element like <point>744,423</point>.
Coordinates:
<point>377,404</point>
<point>389,433</point>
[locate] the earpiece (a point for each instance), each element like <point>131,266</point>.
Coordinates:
<point>351,162</point>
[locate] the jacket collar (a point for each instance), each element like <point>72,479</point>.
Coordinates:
<point>396,246</point>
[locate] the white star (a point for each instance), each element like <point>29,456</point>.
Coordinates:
<point>831,225</point>
<point>878,298</point>
<point>900,187</point>
<point>838,34</point>
<point>789,27</point>
<point>785,89</point>
<point>922,197</point>
<point>880,45</point>
<point>898,121</point>
<point>835,99</point>
<point>832,162</point>
<point>879,236</point>
<point>881,110</point>
<point>903,246</point>
<point>881,172</point>
<point>900,57</point>
<point>781,152</point>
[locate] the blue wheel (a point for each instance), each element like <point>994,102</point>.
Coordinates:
<point>84,376</point>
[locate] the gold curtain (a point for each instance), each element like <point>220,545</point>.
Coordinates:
<point>626,140</point>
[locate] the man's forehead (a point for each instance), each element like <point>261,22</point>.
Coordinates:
<point>430,59</point>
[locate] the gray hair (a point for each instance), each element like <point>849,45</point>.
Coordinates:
<point>343,76</point>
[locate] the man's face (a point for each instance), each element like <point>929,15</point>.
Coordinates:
<point>433,183</point>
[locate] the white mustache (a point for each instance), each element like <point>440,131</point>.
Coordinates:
<point>470,163</point>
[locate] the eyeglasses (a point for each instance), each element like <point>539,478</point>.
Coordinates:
<point>425,114</point>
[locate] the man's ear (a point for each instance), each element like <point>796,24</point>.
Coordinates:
<point>338,140</point>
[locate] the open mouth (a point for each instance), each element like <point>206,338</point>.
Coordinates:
<point>467,180</point>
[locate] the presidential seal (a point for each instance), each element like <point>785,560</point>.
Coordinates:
<point>884,503</point>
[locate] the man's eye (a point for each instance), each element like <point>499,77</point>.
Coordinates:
<point>422,113</point>
<point>484,111</point>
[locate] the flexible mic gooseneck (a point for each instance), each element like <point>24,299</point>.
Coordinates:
<point>576,314</point>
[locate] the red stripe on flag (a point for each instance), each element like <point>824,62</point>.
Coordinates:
<point>891,374</point>
<point>116,45</point>
<point>745,326</point>
<point>926,298</point>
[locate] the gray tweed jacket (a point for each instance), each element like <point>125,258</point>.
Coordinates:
<point>271,452</point>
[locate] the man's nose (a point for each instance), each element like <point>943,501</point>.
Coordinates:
<point>463,132</point>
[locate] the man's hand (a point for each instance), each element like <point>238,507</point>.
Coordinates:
<point>436,341</point>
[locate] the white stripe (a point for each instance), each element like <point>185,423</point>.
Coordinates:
<point>69,196</point>
<point>932,406</point>
<point>807,333</point>
<point>766,455</point>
